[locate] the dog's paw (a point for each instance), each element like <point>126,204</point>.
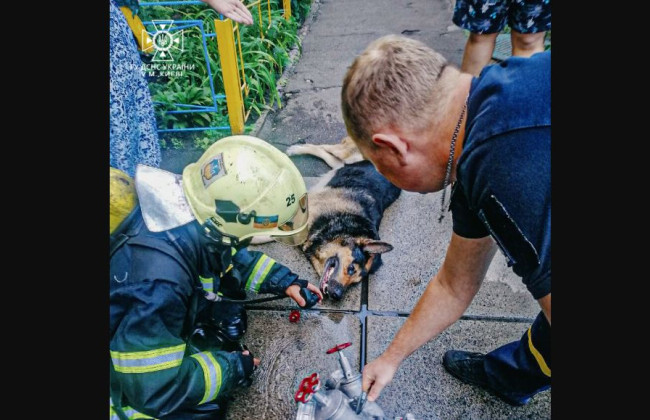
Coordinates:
<point>297,149</point>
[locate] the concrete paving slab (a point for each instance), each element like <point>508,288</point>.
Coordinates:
<point>325,59</point>
<point>503,294</point>
<point>423,387</point>
<point>426,20</point>
<point>341,30</point>
<point>311,117</point>
<point>288,353</point>
<point>411,225</point>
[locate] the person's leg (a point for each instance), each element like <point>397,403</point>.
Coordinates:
<point>525,45</point>
<point>478,52</point>
<point>521,369</point>
<point>484,20</point>
<point>513,372</point>
<point>529,20</point>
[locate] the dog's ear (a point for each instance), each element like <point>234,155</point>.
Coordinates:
<point>373,246</point>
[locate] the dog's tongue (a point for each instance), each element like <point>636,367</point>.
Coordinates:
<point>325,278</point>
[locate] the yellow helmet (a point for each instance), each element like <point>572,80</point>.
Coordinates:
<point>245,187</point>
<point>122,197</point>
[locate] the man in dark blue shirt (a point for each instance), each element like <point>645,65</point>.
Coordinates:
<point>424,124</point>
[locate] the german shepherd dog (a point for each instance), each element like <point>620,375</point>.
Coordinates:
<point>345,208</point>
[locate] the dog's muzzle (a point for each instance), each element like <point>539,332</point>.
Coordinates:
<point>326,285</point>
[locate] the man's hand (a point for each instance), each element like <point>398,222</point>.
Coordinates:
<point>293,292</point>
<point>233,9</point>
<point>256,361</point>
<point>248,364</point>
<point>376,375</point>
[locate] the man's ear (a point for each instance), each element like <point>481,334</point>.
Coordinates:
<point>393,143</point>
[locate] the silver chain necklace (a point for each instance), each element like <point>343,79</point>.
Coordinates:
<point>452,149</point>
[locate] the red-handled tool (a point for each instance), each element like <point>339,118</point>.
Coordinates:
<point>345,365</point>
<point>339,347</point>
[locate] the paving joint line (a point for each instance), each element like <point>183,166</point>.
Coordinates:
<point>364,312</point>
<point>363,318</point>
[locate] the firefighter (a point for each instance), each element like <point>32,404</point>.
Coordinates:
<point>176,239</point>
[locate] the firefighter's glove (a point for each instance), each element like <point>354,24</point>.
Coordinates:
<point>247,364</point>
<point>304,293</point>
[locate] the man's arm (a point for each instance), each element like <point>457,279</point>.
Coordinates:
<point>445,299</point>
<point>262,274</point>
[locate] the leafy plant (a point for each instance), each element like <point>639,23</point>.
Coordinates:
<point>300,9</point>
<point>264,60</point>
<point>171,142</point>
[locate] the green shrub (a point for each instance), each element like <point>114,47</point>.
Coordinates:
<point>264,61</point>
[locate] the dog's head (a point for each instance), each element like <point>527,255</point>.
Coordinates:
<point>346,261</point>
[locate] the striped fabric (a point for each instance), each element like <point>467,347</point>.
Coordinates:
<point>211,375</point>
<point>259,273</point>
<point>130,413</point>
<point>207,283</point>
<point>148,361</point>
<point>538,356</point>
